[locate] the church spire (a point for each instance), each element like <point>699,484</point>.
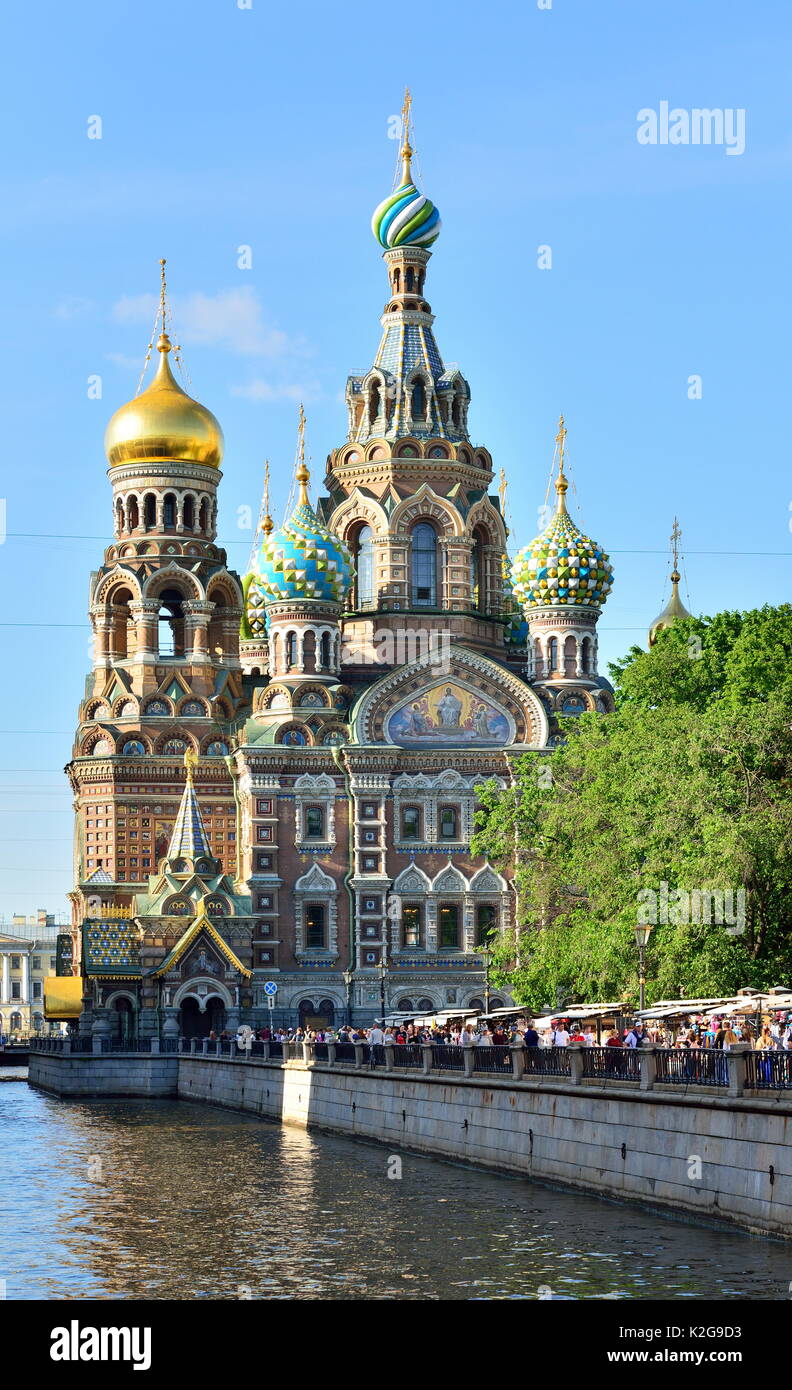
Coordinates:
<point>189,839</point>
<point>302,474</point>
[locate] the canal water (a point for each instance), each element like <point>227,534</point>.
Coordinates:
<point>171,1200</point>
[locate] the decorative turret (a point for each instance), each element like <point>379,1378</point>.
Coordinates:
<point>408,391</point>
<point>562,579</point>
<point>297,586</point>
<point>675,608</point>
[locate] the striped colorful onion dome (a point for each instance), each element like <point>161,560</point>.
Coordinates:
<point>302,559</point>
<point>406,218</point>
<point>562,566</point>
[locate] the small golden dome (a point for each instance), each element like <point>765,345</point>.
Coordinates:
<point>164,423</point>
<point>673,610</point>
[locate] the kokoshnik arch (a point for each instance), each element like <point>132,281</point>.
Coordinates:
<point>255,797</point>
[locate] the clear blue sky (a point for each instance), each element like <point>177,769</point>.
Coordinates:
<point>269,127</point>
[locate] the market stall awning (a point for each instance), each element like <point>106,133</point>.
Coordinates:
<point>62,998</point>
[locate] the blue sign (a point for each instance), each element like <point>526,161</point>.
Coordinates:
<point>270,987</point>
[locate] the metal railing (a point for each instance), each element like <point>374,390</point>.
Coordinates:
<point>611,1063</point>
<point>768,1071</point>
<point>691,1066</point>
<point>493,1059</point>
<point>408,1055</point>
<point>547,1061</point>
<point>445,1058</point>
<point>345,1052</point>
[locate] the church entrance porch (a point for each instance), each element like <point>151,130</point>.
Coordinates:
<point>194,1024</point>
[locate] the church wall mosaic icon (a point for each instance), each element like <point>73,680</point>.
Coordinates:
<point>448,715</point>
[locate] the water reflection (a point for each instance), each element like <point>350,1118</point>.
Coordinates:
<point>194,1201</point>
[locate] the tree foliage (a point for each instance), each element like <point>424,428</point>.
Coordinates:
<point>685,785</point>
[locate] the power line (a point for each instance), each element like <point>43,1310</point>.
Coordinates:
<point>65,536</point>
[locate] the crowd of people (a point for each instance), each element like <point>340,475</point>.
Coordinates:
<point>718,1032</point>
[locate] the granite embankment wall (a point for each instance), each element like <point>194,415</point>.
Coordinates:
<point>698,1154</point>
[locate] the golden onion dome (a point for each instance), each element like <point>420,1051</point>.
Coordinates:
<point>164,423</point>
<point>673,610</point>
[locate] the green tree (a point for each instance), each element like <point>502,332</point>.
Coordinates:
<point>685,785</point>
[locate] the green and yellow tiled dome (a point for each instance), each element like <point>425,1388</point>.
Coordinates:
<point>562,566</point>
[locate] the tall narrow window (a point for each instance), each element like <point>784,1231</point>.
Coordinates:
<point>325,650</point>
<point>411,823</point>
<point>424,565</point>
<point>189,514</point>
<point>477,567</point>
<point>449,927</point>
<point>315,926</point>
<point>486,921</point>
<point>169,510</point>
<point>149,511</point>
<point>448,823</point>
<point>418,408</point>
<point>314,823</point>
<point>411,924</point>
<point>291,649</point>
<point>171,624</point>
<point>410,278</point>
<point>552,656</point>
<point>365,567</point>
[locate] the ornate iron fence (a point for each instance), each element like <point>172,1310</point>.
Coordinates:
<point>408,1055</point>
<point>492,1059</point>
<point>611,1063</point>
<point>691,1066</point>
<point>768,1071</point>
<point>547,1061</point>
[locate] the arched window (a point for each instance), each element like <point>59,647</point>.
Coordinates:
<point>203,517</point>
<point>396,280</point>
<point>425,1005</point>
<point>189,513</point>
<point>291,649</point>
<point>410,278</point>
<point>587,665</point>
<point>122,623</point>
<point>486,922</point>
<point>364,567</point>
<point>538,667</point>
<point>552,656</point>
<point>424,565</point>
<point>274,645</point>
<point>149,511</point>
<point>405,1006</point>
<point>324,652</point>
<point>169,510</point>
<point>375,398</point>
<point>170,624</point>
<point>119,518</point>
<point>418,407</point>
<point>133,517</point>
<point>315,926</point>
<point>570,656</point>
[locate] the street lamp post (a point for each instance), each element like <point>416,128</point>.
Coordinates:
<point>486,957</point>
<point>642,931</point>
<point>348,977</point>
<point>383,970</point>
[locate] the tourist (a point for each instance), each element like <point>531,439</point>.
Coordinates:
<point>530,1036</point>
<point>559,1036</point>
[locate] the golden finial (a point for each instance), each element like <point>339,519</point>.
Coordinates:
<point>164,341</point>
<point>267,524</point>
<point>676,536</point>
<point>302,475</point>
<point>561,483</point>
<point>503,487</point>
<point>406,151</point>
<point>190,762</point>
